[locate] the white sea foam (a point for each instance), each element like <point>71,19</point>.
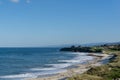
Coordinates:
<point>83,58</point>
<point>80,58</point>
<point>59,66</point>
<point>69,61</point>
<point>52,72</point>
<point>31,75</point>
<point>26,75</point>
<point>77,53</point>
<point>42,69</point>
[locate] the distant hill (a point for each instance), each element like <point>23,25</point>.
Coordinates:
<point>113,43</point>
<point>101,43</point>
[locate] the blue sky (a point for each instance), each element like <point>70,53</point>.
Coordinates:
<point>57,22</point>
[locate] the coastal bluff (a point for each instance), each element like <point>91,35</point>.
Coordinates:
<point>82,49</point>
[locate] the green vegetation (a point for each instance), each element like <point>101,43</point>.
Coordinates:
<point>110,71</point>
<point>85,77</point>
<point>82,49</point>
<point>95,49</point>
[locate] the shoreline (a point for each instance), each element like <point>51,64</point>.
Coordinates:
<point>99,59</point>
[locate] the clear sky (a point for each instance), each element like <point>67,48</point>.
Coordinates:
<point>57,22</point>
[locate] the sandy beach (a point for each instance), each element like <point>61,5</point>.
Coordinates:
<point>99,59</point>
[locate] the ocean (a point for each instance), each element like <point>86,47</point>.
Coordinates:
<point>23,63</point>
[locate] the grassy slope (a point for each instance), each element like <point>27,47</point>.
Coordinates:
<point>109,71</point>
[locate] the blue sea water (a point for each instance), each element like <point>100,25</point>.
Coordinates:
<point>22,63</point>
